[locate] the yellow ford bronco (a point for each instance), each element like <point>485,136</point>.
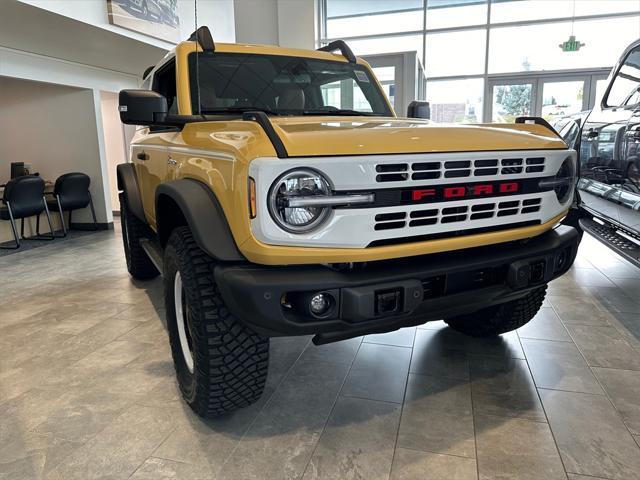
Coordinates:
<point>278,194</point>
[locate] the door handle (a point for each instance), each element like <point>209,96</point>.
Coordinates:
<point>171,161</point>
<point>592,133</point>
<point>142,156</point>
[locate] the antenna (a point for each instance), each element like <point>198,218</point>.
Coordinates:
<point>195,18</point>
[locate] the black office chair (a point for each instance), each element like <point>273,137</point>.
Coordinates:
<point>24,197</point>
<point>71,192</point>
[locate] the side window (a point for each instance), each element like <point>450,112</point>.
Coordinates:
<point>345,94</point>
<point>626,84</point>
<point>164,82</point>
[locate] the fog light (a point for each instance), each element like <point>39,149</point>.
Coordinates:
<point>319,304</point>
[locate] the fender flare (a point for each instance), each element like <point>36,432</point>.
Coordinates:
<point>128,183</point>
<point>204,216</point>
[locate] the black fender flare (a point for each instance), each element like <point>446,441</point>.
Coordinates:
<point>128,183</point>
<point>204,216</point>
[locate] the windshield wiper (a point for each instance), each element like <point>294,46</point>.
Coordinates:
<point>216,111</point>
<point>338,111</point>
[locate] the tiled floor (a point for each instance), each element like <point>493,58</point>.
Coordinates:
<point>87,387</point>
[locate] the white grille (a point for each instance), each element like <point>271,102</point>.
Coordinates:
<point>400,172</point>
<point>359,227</point>
<point>424,216</point>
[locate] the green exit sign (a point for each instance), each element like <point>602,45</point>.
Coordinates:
<point>571,45</point>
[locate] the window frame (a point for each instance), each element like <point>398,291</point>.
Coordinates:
<point>614,75</point>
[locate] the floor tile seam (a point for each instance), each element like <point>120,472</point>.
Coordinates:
<point>544,410</point>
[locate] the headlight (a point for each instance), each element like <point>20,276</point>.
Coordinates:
<point>564,181</point>
<point>294,184</point>
<point>566,177</point>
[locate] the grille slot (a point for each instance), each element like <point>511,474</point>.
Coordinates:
<point>425,175</point>
<point>422,217</point>
<point>424,213</point>
<point>392,167</point>
<point>392,177</point>
<point>432,170</point>
<point>389,225</point>
<point>383,217</point>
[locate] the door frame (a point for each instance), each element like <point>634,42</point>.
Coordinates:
<point>537,80</point>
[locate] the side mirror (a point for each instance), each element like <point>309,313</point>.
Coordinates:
<point>141,107</point>
<point>418,109</point>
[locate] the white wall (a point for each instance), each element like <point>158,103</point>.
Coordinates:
<point>116,142</point>
<point>256,21</point>
<point>297,23</point>
<point>288,23</point>
<point>55,129</point>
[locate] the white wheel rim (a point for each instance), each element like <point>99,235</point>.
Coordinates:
<point>181,320</point>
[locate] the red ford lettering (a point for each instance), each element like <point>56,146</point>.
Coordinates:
<point>455,192</point>
<point>418,195</point>
<point>510,187</point>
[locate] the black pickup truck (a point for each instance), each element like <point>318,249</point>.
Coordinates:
<point>607,139</point>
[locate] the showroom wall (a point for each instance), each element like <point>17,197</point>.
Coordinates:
<point>288,23</point>
<point>117,138</point>
<point>218,14</point>
<point>54,128</point>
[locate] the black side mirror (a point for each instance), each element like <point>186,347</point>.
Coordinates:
<point>418,109</point>
<point>141,107</point>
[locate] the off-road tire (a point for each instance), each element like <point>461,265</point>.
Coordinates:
<point>499,319</point>
<point>133,230</point>
<point>230,361</point>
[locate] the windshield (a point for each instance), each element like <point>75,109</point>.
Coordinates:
<point>282,85</point>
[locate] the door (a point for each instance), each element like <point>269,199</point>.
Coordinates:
<point>608,151</point>
<point>551,96</point>
<point>559,98</point>
<point>150,154</point>
<point>510,99</point>
<point>629,202</point>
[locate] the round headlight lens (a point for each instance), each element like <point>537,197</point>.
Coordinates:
<point>298,183</point>
<point>567,172</point>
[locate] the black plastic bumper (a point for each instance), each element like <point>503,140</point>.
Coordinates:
<point>384,296</point>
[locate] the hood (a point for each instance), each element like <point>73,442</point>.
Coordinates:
<point>332,136</point>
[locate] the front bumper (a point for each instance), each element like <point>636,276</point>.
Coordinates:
<point>424,288</point>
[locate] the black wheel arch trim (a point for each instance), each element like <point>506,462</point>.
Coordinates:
<point>128,183</point>
<point>204,216</point>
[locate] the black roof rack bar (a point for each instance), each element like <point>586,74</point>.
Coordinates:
<point>262,119</point>
<point>537,121</point>
<point>342,46</point>
<point>204,38</point>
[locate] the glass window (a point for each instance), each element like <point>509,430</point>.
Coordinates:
<point>164,83</point>
<point>455,13</point>
<point>234,82</point>
<point>601,86</point>
<point>522,10</point>
<point>400,43</point>
<point>456,101</point>
<point>625,89</point>
<point>387,78</point>
<point>455,53</point>
<point>374,24</point>
<point>519,10</point>
<point>341,8</point>
<point>511,101</point>
<point>590,7</point>
<point>560,99</point>
<point>536,47</point>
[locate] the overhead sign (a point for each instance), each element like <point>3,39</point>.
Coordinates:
<point>571,45</point>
